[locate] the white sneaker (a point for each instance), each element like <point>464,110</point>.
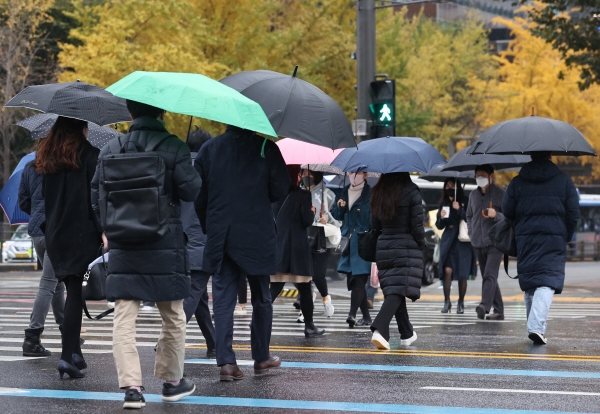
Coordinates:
<point>379,341</point>
<point>110,304</point>
<point>538,338</point>
<point>300,318</point>
<point>239,311</point>
<point>147,309</point>
<point>409,340</point>
<point>329,309</point>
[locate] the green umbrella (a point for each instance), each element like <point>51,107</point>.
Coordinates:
<point>194,95</point>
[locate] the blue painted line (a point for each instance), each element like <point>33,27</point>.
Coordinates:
<point>437,370</point>
<point>268,403</point>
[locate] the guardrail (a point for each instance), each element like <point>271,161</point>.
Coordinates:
<point>583,250</point>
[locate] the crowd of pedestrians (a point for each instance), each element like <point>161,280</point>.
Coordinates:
<point>238,214</point>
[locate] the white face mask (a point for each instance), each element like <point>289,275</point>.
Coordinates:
<point>482,181</point>
<point>356,179</point>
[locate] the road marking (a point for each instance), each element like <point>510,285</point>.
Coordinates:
<point>512,391</point>
<point>7,358</point>
<point>273,403</point>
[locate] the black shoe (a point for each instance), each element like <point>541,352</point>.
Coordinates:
<point>351,321</point>
<point>32,347</point>
<point>78,361</point>
<point>480,311</point>
<point>297,304</point>
<point>314,331</point>
<point>460,308</point>
<point>134,399</point>
<point>364,322</point>
<point>495,317</point>
<point>538,338</point>
<point>447,307</point>
<point>211,354</point>
<point>65,368</point>
<point>81,341</point>
<point>174,393</point>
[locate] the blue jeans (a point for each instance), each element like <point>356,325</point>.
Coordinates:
<point>537,302</point>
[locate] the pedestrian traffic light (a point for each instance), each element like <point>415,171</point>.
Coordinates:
<point>383,108</point>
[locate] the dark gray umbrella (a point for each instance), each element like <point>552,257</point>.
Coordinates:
<point>78,100</point>
<point>438,174</point>
<point>39,125</point>
<point>462,161</point>
<point>296,109</point>
<point>531,134</point>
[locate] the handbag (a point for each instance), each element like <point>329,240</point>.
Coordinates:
<point>374,275</point>
<point>367,244</point>
<point>502,236</point>
<point>94,284</point>
<point>463,232</point>
<point>317,242</point>
<point>343,246</point>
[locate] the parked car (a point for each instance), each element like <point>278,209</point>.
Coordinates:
<point>19,247</point>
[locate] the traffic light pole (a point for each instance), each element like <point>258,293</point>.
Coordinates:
<point>365,56</point>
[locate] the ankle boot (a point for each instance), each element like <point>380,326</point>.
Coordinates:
<point>32,346</point>
<point>311,331</point>
<point>460,307</point>
<point>447,306</point>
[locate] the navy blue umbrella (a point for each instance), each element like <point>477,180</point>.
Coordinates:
<point>9,196</point>
<point>389,155</point>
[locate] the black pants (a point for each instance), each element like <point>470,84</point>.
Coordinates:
<point>320,261</point>
<point>358,296</point>
<point>306,303</point>
<point>71,328</point>
<point>393,305</point>
<point>243,290</point>
<point>225,290</point>
<point>197,304</point>
<point>489,263</point>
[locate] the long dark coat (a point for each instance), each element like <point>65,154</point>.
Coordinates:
<point>193,230</point>
<point>460,254</point>
<point>156,271</point>
<point>73,234</point>
<point>355,220</point>
<point>543,203</point>
<point>400,246</point>
<point>293,217</point>
<point>234,206</point>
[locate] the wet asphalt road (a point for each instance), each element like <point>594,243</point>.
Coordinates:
<point>458,364</point>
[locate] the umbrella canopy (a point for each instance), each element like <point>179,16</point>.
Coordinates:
<point>194,95</point>
<point>9,196</point>
<point>463,161</point>
<point>78,100</point>
<point>296,109</point>
<point>531,134</point>
<point>40,125</point>
<point>298,152</point>
<point>438,173</point>
<point>389,155</point>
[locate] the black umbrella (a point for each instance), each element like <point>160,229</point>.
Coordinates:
<point>296,109</point>
<point>531,134</point>
<point>462,161</point>
<point>39,125</point>
<point>437,173</point>
<point>78,100</point>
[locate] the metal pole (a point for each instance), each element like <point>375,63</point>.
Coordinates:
<point>365,56</point>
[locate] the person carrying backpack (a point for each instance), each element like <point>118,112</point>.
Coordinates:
<point>137,190</point>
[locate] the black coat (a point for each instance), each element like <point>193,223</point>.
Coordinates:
<point>156,271</point>
<point>460,254</point>
<point>543,203</point>
<point>193,230</point>
<point>400,247</point>
<point>73,234</point>
<point>234,206</point>
<point>31,200</point>
<point>294,216</point>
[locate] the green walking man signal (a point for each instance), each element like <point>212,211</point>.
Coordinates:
<point>385,113</point>
<point>383,108</point>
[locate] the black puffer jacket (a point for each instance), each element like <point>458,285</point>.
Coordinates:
<point>31,200</point>
<point>156,271</point>
<point>400,247</point>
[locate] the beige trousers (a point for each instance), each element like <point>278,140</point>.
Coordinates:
<point>170,353</point>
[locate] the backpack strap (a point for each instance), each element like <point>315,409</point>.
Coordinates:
<point>115,145</point>
<point>96,318</point>
<point>506,268</point>
<point>156,142</point>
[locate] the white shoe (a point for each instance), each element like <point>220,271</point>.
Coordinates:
<point>147,309</point>
<point>300,318</point>
<point>409,340</point>
<point>329,309</point>
<point>379,341</point>
<point>239,311</point>
<point>110,304</point>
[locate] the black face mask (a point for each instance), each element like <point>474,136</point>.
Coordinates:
<point>308,181</point>
<point>450,192</point>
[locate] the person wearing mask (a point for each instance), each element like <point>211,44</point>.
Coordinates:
<point>243,174</point>
<point>543,205</point>
<point>397,211</point>
<point>154,271</point>
<point>457,257</point>
<point>50,291</point>
<point>197,303</point>
<point>485,210</point>
<point>293,216</point>
<point>323,200</point>
<point>354,210</point>
<point>67,162</point>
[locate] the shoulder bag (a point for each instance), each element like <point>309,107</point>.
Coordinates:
<point>502,236</point>
<point>94,284</point>
<point>367,244</point>
<point>343,247</point>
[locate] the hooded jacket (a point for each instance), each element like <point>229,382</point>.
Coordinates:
<point>543,204</point>
<point>31,200</point>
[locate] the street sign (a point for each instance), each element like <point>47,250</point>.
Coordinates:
<point>359,127</point>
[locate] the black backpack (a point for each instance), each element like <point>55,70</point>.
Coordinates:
<point>134,204</point>
<point>502,236</point>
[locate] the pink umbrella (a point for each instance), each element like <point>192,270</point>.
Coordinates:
<point>298,152</point>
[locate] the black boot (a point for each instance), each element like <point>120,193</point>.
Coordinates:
<point>32,346</point>
<point>312,330</point>
<point>447,306</point>
<point>460,308</point>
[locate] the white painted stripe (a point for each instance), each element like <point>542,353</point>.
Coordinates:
<point>513,391</point>
<point>7,358</point>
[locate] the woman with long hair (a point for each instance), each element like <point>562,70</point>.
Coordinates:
<point>457,261</point>
<point>67,162</point>
<point>397,211</point>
